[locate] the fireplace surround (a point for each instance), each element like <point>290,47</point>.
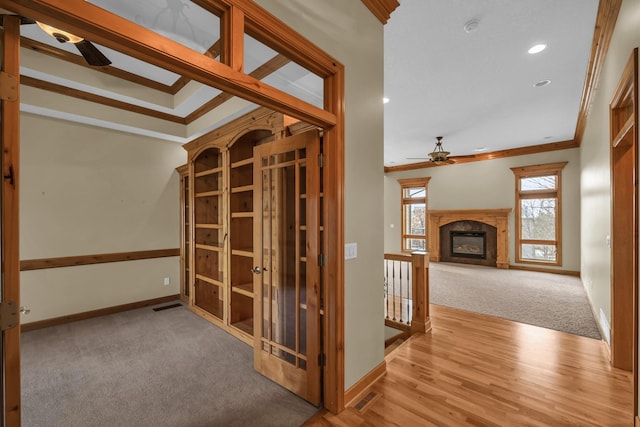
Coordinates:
<point>497,219</point>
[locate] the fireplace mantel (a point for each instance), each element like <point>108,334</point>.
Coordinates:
<point>498,218</point>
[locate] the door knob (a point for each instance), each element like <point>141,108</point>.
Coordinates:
<point>258,270</point>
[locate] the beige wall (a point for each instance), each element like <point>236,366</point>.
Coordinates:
<point>490,184</point>
<point>88,190</point>
<point>350,33</point>
<point>594,154</point>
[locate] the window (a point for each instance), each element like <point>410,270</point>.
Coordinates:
<point>414,213</point>
<point>538,208</point>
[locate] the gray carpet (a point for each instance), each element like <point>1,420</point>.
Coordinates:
<point>146,368</point>
<point>548,300</point>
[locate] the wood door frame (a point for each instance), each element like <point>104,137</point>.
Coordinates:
<point>623,120</point>
<point>10,226</point>
<point>119,34</point>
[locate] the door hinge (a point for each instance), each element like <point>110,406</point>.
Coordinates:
<point>322,260</point>
<point>322,359</point>
<point>9,317</point>
<point>321,160</point>
<point>8,87</point>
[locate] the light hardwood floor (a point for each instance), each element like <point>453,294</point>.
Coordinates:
<point>479,370</point>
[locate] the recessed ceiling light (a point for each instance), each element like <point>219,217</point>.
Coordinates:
<point>542,83</point>
<point>385,100</point>
<point>480,149</point>
<point>537,48</point>
<point>471,25</point>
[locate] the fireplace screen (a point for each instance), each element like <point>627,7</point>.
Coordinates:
<point>469,244</point>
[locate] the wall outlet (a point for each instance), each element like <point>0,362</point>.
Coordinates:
<point>167,281</point>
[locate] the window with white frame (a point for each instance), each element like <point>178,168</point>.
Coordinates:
<point>538,213</point>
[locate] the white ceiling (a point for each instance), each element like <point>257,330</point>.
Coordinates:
<point>477,89</point>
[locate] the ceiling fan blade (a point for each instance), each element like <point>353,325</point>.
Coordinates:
<point>91,54</point>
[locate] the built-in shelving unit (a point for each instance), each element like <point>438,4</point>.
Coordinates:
<point>208,233</point>
<point>221,234</point>
<point>241,214</point>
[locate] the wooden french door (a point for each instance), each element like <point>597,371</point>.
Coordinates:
<point>10,284</point>
<point>287,273</point>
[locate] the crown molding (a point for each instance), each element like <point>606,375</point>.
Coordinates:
<point>382,9</point>
<point>522,151</point>
<point>605,23</point>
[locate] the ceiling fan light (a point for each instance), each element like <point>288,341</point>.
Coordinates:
<point>60,35</point>
<point>438,155</point>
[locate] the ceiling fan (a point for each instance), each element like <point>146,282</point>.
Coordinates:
<point>89,52</point>
<point>438,156</point>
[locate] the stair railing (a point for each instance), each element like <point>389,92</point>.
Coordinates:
<point>406,292</point>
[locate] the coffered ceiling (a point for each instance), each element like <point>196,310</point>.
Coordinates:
<point>138,97</point>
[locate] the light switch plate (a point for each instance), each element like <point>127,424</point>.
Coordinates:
<point>350,250</point>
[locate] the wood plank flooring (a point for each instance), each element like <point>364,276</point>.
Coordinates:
<point>477,370</point>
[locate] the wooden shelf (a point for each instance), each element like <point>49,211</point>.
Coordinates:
<point>210,226</point>
<point>245,325</point>
<point>245,289</point>
<point>209,247</point>
<point>208,172</point>
<point>210,280</point>
<point>244,162</point>
<point>208,193</point>
<point>242,252</point>
<point>242,189</point>
<point>242,215</point>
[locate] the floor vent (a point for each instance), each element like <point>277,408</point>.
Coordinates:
<point>166,307</point>
<point>365,400</point>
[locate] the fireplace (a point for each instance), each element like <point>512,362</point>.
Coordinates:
<point>468,244</point>
<point>494,222</point>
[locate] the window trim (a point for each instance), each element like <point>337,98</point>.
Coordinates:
<point>532,172</point>
<point>413,183</point>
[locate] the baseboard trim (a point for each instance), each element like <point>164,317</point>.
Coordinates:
<point>596,317</point>
<point>636,422</point>
<point>364,383</point>
<point>545,270</point>
<point>95,313</point>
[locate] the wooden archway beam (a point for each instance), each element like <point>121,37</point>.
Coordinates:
<point>103,27</point>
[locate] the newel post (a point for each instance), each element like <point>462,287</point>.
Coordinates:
<point>420,321</point>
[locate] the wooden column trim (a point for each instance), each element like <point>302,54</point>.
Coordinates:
<point>420,321</point>
<point>498,218</point>
<point>10,118</point>
<point>333,244</point>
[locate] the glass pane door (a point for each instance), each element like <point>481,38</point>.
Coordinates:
<point>286,271</point>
